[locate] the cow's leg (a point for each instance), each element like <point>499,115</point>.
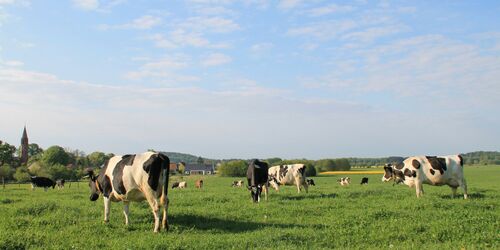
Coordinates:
<point>419,189</point>
<point>32,186</point>
<point>265,187</point>
<point>155,206</point>
<point>463,185</point>
<point>453,192</point>
<point>164,201</point>
<point>45,188</point>
<point>305,186</point>
<point>107,202</point>
<point>125,211</point>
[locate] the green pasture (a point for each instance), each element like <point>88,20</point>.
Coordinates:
<point>373,216</point>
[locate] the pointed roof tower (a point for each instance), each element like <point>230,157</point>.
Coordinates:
<point>24,147</point>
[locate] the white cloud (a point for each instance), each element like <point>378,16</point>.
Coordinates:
<point>142,23</point>
<point>209,24</point>
<point>373,33</point>
<point>181,38</point>
<point>289,4</point>
<point>86,4</point>
<point>261,47</point>
<point>323,30</point>
<point>329,9</point>
<point>12,63</point>
<point>215,59</point>
<point>165,70</point>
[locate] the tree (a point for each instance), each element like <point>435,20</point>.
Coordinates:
<point>96,159</point>
<point>5,173</point>
<point>233,168</point>
<point>59,171</point>
<point>55,155</point>
<point>21,174</point>
<point>326,165</point>
<point>200,160</point>
<point>342,164</point>
<point>182,167</point>
<point>310,170</point>
<point>6,153</point>
<point>274,161</point>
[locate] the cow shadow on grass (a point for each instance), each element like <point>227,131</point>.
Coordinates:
<point>476,195</point>
<point>188,222</point>
<point>308,196</point>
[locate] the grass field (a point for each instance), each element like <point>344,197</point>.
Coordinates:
<point>374,216</point>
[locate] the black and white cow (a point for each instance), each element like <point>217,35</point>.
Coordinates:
<point>134,178</point>
<point>175,185</point>
<point>364,181</point>
<point>310,182</point>
<point>293,174</point>
<point>257,179</point>
<point>344,181</point>
<point>433,170</point>
<point>44,182</point>
<point>60,183</point>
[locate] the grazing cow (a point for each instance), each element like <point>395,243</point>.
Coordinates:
<point>293,174</point>
<point>60,183</point>
<point>238,183</point>
<point>42,182</point>
<point>364,181</point>
<point>175,185</point>
<point>134,178</point>
<point>433,170</point>
<point>310,182</point>
<point>257,179</point>
<point>183,184</point>
<point>344,181</point>
<point>198,184</point>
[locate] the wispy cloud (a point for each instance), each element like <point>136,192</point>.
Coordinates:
<point>96,5</point>
<point>209,24</point>
<point>289,4</point>
<point>329,9</point>
<point>215,59</point>
<point>142,23</point>
<point>86,4</point>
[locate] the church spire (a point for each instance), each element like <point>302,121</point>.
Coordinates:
<point>24,147</point>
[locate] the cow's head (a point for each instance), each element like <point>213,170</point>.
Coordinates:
<point>94,186</point>
<point>255,193</point>
<point>388,173</point>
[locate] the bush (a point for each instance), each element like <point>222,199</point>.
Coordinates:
<point>233,169</point>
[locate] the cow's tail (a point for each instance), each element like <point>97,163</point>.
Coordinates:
<point>165,176</point>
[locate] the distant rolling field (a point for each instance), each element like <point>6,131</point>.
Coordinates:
<point>373,216</point>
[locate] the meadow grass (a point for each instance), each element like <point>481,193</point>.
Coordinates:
<point>373,216</point>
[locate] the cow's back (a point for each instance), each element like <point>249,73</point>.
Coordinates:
<point>436,170</point>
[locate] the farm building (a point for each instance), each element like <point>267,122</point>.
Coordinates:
<point>203,169</point>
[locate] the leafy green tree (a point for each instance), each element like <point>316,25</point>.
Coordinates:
<point>21,174</point>
<point>310,170</point>
<point>5,173</point>
<point>274,161</point>
<point>96,159</point>
<point>6,153</point>
<point>236,168</point>
<point>342,164</point>
<point>59,171</point>
<point>55,155</point>
<point>182,167</point>
<point>326,165</point>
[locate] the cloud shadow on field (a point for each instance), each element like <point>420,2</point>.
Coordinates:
<point>308,196</point>
<point>189,221</point>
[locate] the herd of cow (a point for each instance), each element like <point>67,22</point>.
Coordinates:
<point>145,177</point>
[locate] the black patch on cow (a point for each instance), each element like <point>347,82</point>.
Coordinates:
<point>127,160</point>
<point>104,182</point>
<point>302,170</point>
<point>282,172</point>
<point>388,172</point>
<point>437,163</point>
<point>415,164</point>
<point>432,171</point>
<point>153,166</point>
<point>410,173</point>
<point>398,175</point>
<point>461,160</point>
<point>400,165</point>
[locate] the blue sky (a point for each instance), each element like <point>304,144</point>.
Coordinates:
<point>252,78</point>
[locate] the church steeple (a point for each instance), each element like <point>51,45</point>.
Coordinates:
<point>24,147</point>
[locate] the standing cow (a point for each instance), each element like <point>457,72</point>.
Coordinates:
<point>257,179</point>
<point>198,184</point>
<point>432,170</point>
<point>60,183</point>
<point>134,178</point>
<point>42,182</point>
<point>293,174</point>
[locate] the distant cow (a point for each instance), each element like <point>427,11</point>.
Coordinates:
<point>293,174</point>
<point>42,182</point>
<point>183,184</point>
<point>364,181</point>
<point>238,183</point>
<point>198,184</point>
<point>344,181</point>
<point>60,183</point>
<point>310,182</point>
<point>433,170</point>
<point>175,185</point>
<point>134,178</point>
<point>257,178</point>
